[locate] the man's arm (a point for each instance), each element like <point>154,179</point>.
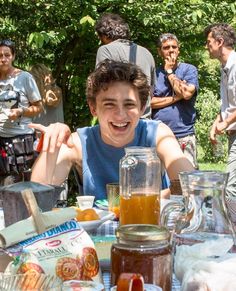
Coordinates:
<point>170,153</point>
<point>161,102</point>
<point>56,159</point>
<point>182,89</point>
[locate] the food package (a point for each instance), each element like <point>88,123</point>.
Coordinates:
<point>65,251</point>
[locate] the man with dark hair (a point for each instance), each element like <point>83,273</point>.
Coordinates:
<point>114,34</point>
<point>221,39</point>
<point>175,94</point>
<point>116,93</point>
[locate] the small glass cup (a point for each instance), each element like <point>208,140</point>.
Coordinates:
<point>85,202</point>
<point>30,282</point>
<point>113,198</point>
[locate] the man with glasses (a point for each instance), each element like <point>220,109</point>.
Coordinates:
<point>221,39</point>
<point>175,94</point>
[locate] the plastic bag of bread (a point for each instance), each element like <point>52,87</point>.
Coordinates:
<point>65,251</point>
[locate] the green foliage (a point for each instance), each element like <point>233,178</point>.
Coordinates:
<point>207,107</point>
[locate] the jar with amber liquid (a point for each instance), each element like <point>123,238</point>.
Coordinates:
<point>143,249</point>
<point>140,181</point>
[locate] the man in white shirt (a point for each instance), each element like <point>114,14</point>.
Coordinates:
<point>221,39</point>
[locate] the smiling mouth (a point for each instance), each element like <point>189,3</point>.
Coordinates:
<point>121,125</point>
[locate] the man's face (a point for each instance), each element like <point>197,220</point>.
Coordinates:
<point>169,48</point>
<point>118,110</point>
<point>213,46</point>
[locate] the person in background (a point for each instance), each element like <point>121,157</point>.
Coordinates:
<point>52,100</point>
<point>221,39</point>
<point>114,34</point>
<point>20,100</point>
<point>117,93</point>
<point>51,96</point>
<point>175,94</point>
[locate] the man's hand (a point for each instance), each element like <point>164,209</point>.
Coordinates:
<point>218,128</point>
<point>54,135</point>
<point>221,127</point>
<point>14,114</point>
<point>170,62</point>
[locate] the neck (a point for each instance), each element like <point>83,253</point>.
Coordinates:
<point>225,55</point>
<point>6,74</point>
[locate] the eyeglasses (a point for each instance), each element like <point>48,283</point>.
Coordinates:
<point>7,42</point>
<point>167,47</point>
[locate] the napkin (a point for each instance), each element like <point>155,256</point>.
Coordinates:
<point>206,266</point>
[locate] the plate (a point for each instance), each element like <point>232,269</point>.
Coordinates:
<point>93,224</point>
<point>102,204</point>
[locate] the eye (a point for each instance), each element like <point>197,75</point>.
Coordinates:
<point>109,104</point>
<point>130,105</point>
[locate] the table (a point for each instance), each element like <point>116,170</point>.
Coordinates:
<point>106,229</point>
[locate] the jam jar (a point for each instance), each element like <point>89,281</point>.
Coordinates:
<point>143,249</point>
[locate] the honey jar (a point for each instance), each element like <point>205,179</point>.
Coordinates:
<point>143,249</point>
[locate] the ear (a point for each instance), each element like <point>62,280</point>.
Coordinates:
<point>220,41</point>
<point>159,52</point>
<point>92,107</point>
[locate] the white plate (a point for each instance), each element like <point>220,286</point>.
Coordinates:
<point>93,224</point>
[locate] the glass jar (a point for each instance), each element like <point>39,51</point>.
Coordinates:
<point>143,249</point>
<point>140,181</point>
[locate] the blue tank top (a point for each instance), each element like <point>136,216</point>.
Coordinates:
<point>101,161</point>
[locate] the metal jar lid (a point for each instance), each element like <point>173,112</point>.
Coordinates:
<point>142,232</point>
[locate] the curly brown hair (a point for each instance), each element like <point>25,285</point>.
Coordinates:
<point>112,26</point>
<point>110,71</point>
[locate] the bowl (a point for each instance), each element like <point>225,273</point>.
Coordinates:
<point>85,202</point>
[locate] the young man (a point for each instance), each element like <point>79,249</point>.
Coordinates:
<point>175,94</point>
<point>114,33</point>
<point>116,93</point>
<point>221,39</point>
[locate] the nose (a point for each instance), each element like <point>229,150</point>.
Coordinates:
<point>120,112</point>
<point>3,58</point>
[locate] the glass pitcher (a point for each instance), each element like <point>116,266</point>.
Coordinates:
<point>140,180</point>
<point>203,214</point>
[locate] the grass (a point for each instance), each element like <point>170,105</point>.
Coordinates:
<point>217,166</point>
<point>212,166</point>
